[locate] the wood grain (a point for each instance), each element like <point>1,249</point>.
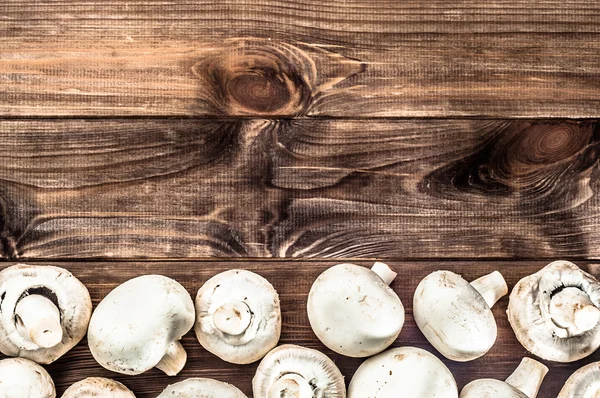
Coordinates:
<point>293,279</point>
<point>189,188</point>
<point>273,58</point>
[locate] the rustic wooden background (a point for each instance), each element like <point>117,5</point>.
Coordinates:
<point>281,136</point>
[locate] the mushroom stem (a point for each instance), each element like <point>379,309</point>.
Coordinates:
<point>384,272</point>
<point>233,317</point>
<point>291,385</point>
<point>174,360</point>
<point>572,309</point>
<point>528,377</point>
<point>492,287</point>
<point>38,318</point>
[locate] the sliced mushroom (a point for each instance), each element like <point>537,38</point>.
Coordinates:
<point>555,312</point>
<point>524,382</point>
<point>455,316</point>
<point>409,371</point>
<point>291,371</point>
<point>44,312</point>
<point>238,316</point>
<point>98,387</point>
<point>584,383</point>
<point>353,311</point>
<point>201,388</point>
<point>22,378</point>
<point>138,326</point>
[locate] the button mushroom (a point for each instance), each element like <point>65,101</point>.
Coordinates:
<point>20,378</point>
<point>44,312</point>
<point>524,382</point>
<point>238,316</point>
<point>201,388</point>
<point>554,312</point>
<point>353,311</point>
<point>291,371</point>
<point>138,325</point>
<point>409,371</point>
<point>455,316</point>
<point>584,383</point>
<point>98,387</point>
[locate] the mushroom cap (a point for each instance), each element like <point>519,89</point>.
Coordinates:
<point>584,383</point>
<point>415,372</point>
<point>58,285</point>
<point>20,378</point>
<point>454,317</point>
<point>490,388</point>
<point>201,388</point>
<point>523,382</point>
<point>353,312</point>
<point>529,313</point>
<point>262,301</point>
<point>313,366</point>
<point>99,387</point>
<point>134,325</point>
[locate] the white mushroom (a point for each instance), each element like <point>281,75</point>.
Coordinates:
<point>22,378</point>
<point>584,383</point>
<point>238,316</point>
<point>455,316</point>
<point>555,312</point>
<point>98,387</point>
<point>44,312</point>
<point>138,326</point>
<point>201,388</point>
<point>353,311</point>
<point>524,382</point>
<point>291,371</point>
<point>409,371</point>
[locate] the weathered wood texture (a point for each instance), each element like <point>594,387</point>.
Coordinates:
<point>504,58</point>
<point>304,188</point>
<point>293,285</point>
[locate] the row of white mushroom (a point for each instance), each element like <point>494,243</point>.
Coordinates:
<point>45,311</point>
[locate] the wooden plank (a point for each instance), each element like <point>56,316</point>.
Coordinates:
<point>130,188</point>
<point>272,58</point>
<point>293,280</point>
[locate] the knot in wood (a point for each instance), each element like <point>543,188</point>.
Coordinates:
<point>535,153</point>
<point>255,80</point>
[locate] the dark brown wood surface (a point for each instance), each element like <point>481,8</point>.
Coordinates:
<point>456,135</point>
<point>293,279</point>
<point>501,58</point>
<point>130,188</point>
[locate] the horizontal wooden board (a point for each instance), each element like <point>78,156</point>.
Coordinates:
<point>160,188</point>
<point>293,279</point>
<point>273,58</point>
